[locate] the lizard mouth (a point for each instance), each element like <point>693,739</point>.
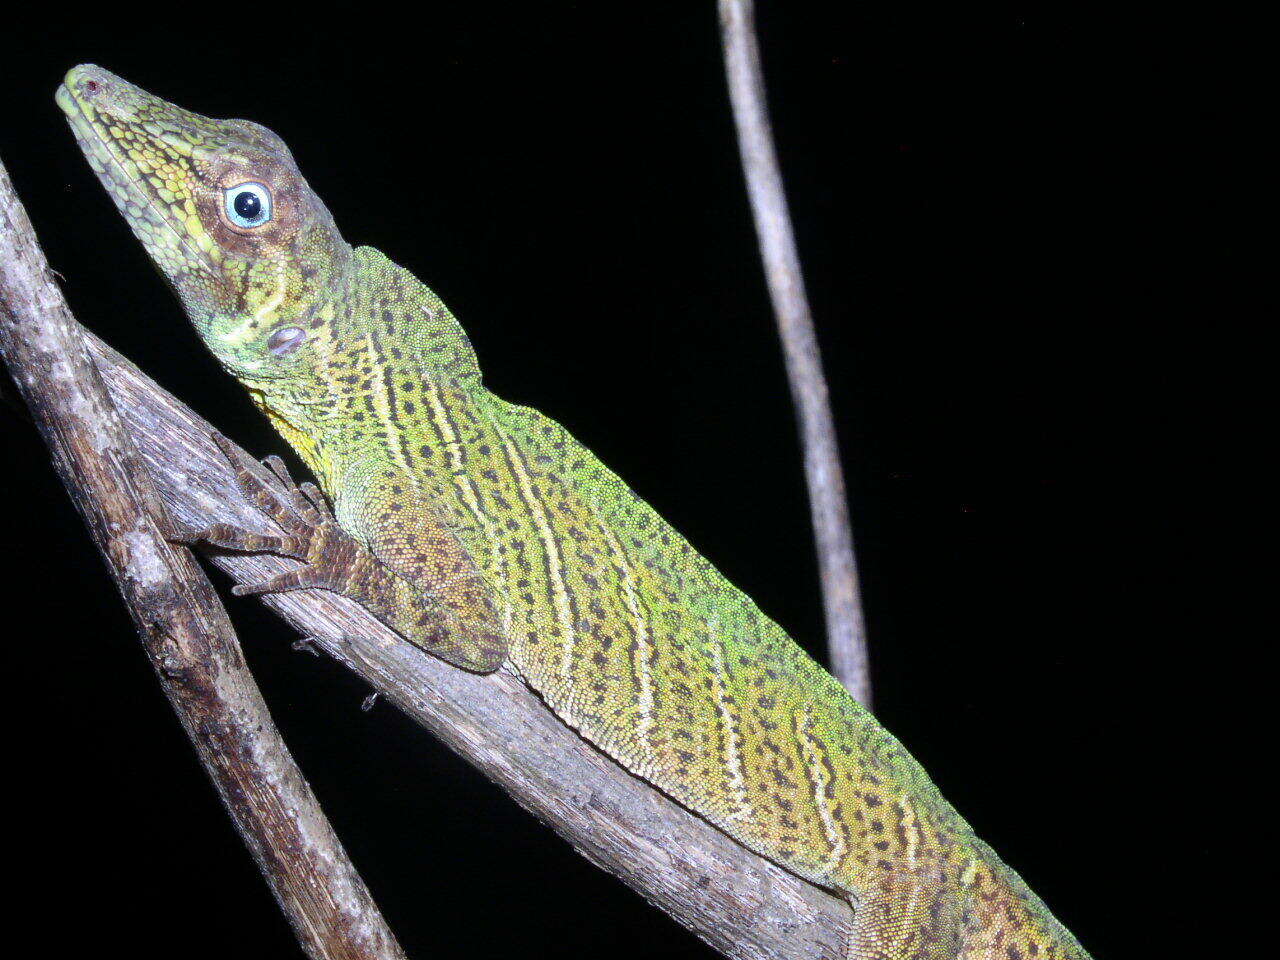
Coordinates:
<point>147,173</point>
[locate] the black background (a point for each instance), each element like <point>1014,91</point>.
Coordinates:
<point>1008,228</point>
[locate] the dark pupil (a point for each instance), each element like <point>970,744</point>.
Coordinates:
<point>247,205</point>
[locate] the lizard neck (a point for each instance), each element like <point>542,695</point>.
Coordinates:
<point>380,343</point>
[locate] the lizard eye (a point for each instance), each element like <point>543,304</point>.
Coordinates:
<point>248,204</point>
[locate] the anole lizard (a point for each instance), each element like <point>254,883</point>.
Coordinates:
<point>485,534</point>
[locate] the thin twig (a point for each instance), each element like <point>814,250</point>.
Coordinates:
<point>182,625</point>
<point>741,904</point>
<point>846,628</point>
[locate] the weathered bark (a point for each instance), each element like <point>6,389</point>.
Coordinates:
<point>741,904</point>
<point>183,626</point>
<point>842,603</point>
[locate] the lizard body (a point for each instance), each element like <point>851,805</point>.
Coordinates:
<point>485,534</point>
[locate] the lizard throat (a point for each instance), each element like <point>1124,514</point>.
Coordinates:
<point>316,457</point>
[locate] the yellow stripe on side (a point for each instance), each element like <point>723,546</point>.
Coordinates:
<point>820,774</point>
<point>551,550</point>
<point>743,808</point>
<point>645,651</point>
<point>382,409</point>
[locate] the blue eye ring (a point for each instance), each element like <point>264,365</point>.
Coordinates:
<point>248,204</point>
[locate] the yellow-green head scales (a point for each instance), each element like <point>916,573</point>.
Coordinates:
<point>181,181</point>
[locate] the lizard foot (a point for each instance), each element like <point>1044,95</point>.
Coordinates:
<point>331,557</point>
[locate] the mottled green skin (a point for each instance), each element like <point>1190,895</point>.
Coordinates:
<point>629,635</point>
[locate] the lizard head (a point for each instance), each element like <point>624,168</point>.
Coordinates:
<point>221,209</point>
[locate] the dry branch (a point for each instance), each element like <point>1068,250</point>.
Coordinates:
<point>846,627</point>
<point>182,625</point>
<point>741,904</point>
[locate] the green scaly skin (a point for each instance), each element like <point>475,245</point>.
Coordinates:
<point>484,533</point>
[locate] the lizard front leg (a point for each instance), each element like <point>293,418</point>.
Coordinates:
<point>431,592</point>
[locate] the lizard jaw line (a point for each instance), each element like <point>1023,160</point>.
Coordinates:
<point>87,131</point>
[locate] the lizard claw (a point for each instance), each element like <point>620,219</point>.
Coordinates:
<point>289,508</point>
